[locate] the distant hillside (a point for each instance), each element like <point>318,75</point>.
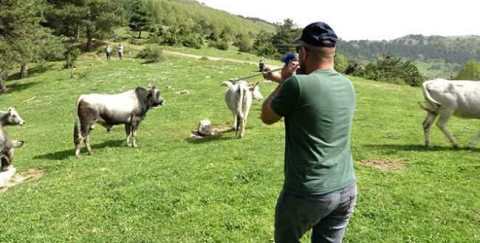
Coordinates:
<point>191,13</point>
<point>457,50</point>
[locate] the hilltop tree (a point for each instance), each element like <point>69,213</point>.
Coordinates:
<point>22,39</point>
<point>140,19</point>
<point>283,40</point>
<point>391,69</point>
<point>94,18</point>
<point>471,71</point>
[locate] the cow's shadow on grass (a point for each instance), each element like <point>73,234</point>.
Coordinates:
<point>16,87</point>
<point>69,153</point>
<point>416,147</point>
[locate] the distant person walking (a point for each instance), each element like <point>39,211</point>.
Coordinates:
<point>120,51</point>
<point>261,66</point>
<point>109,52</point>
<point>319,190</point>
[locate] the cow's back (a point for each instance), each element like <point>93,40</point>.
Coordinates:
<point>117,107</point>
<point>462,96</point>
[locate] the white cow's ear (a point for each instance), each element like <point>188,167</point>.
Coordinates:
<point>9,111</point>
<point>149,86</point>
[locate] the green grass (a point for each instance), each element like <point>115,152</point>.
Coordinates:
<point>220,189</point>
<point>231,53</point>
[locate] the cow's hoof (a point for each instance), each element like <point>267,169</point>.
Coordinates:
<point>90,152</point>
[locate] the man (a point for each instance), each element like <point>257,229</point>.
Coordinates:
<point>261,65</point>
<point>120,51</point>
<point>108,50</point>
<point>319,190</point>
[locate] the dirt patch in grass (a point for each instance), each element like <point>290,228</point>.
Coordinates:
<point>18,178</point>
<point>383,164</point>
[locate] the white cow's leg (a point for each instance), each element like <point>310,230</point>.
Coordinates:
<point>234,126</point>
<point>78,145</point>
<point>474,141</point>
<point>427,124</point>
<point>442,122</point>
<point>244,124</point>
<point>128,133</point>
<point>87,144</point>
<point>134,138</point>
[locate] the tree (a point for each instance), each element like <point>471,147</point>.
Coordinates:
<point>471,71</point>
<point>140,19</point>
<point>93,18</point>
<point>22,39</point>
<point>263,46</point>
<point>284,38</point>
<point>341,63</point>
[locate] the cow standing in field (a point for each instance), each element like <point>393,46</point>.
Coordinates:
<point>445,98</point>
<point>128,108</point>
<point>7,146</point>
<point>239,98</point>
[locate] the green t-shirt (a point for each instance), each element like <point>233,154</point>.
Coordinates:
<point>318,110</point>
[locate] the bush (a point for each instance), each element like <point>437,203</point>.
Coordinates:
<point>151,54</point>
<point>192,42</point>
<point>222,45</point>
<point>471,71</point>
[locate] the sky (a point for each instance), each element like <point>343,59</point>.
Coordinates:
<point>366,19</point>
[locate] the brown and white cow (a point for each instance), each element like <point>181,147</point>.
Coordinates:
<point>128,108</point>
<point>445,98</point>
<point>238,98</point>
<point>7,146</point>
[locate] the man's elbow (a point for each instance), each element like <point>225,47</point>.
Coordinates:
<point>267,120</point>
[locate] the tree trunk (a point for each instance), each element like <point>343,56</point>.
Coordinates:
<point>3,78</point>
<point>24,71</point>
<point>89,39</point>
<point>139,34</point>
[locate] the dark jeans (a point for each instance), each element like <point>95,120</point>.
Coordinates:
<point>108,56</point>
<point>327,215</point>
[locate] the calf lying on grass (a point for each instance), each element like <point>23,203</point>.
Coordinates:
<point>239,98</point>
<point>7,146</point>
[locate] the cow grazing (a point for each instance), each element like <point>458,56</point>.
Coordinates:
<point>239,98</point>
<point>128,108</point>
<point>445,98</point>
<point>7,146</point>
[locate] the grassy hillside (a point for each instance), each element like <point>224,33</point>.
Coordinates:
<point>220,189</point>
<point>191,13</point>
<point>457,50</point>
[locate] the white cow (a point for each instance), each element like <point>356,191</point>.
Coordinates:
<point>446,98</point>
<point>239,97</point>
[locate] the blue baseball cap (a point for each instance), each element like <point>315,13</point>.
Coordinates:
<point>318,34</point>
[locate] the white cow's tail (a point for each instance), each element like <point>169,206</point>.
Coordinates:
<point>227,83</point>
<point>240,105</point>
<point>76,130</point>
<point>433,104</point>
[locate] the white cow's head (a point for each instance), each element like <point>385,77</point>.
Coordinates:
<point>255,91</point>
<point>13,117</point>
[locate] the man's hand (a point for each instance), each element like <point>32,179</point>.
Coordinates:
<point>269,75</point>
<point>289,70</point>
